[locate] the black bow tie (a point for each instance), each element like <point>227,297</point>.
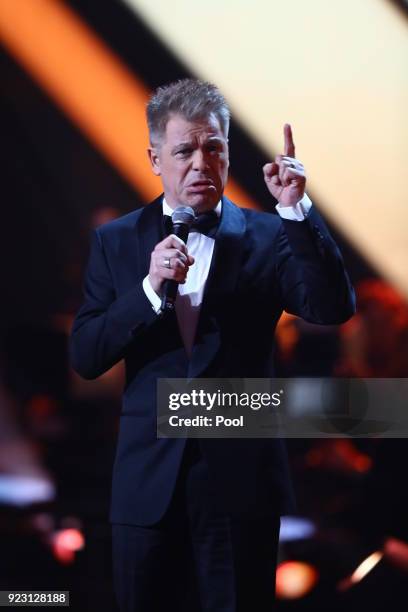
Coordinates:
<point>204,223</point>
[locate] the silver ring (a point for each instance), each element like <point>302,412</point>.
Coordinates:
<point>167,263</point>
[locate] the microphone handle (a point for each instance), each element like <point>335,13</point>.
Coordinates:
<point>170,286</point>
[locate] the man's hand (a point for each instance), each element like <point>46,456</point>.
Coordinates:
<point>285,177</point>
<point>169,260</point>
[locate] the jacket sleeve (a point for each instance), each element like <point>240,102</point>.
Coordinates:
<point>106,325</point>
<point>312,279</point>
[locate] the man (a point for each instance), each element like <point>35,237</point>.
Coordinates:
<point>210,509</point>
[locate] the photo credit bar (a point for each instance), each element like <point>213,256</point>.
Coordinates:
<point>282,407</point>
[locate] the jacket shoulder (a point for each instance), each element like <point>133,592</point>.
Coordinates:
<point>258,221</point>
<point>256,218</point>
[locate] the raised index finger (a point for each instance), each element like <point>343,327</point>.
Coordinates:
<point>289,148</point>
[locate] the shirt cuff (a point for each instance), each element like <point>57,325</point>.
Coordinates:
<point>298,212</point>
<point>151,295</point>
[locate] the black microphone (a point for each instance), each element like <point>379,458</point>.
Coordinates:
<point>182,219</point>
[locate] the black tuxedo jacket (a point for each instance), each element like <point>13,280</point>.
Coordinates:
<point>261,265</point>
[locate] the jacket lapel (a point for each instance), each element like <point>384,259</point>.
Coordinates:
<point>222,280</point>
<point>150,232</point>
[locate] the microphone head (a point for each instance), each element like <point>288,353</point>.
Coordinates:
<point>183,215</point>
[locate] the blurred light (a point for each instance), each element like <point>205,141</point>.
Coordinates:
<point>25,490</point>
<point>295,528</point>
<point>66,543</point>
<point>362,570</point>
<point>72,539</point>
<point>294,579</point>
<point>366,566</point>
<point>396,551</point>
<point>338,455</point>
<point>42,406</point>
<point>362,463</point>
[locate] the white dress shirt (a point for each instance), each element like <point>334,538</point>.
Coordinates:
<point>201,247</point>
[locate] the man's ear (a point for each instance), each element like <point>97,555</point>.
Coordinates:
<point>154,160</point>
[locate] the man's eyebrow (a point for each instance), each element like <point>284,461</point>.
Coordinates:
<point>189,143</point>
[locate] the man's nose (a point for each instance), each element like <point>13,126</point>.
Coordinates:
<point>200,162</point>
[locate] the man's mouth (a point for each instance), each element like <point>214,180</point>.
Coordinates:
<point>202,185</point>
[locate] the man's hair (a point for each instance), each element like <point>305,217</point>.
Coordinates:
<point>192,99</point>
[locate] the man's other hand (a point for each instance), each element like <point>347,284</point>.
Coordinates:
<point>285,177</point>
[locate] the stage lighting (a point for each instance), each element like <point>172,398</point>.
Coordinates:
<point>294,579</point>
<point>361,571</point>
<point>65,543</point>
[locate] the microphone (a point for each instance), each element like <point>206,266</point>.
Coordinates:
<point>182,219</point>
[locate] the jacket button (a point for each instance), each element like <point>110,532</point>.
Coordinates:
<point>318,232</point>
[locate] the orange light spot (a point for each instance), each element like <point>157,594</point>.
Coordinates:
<point>294,579</point>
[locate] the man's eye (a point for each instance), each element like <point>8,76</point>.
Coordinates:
<point>183,152</point>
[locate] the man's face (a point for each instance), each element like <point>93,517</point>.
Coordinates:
<point>193,162</point>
